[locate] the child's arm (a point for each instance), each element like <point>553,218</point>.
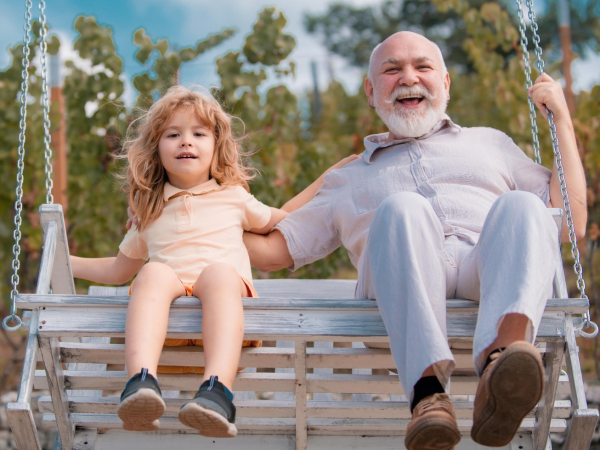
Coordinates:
<point>307,194</point>
<point>115,270</point>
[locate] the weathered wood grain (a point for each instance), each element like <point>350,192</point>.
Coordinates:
<point>286,409</point>
<point>301,391</point>
<point>333,427</point>
<point>30,301</point>
<point>54,376</point>
<point>553,359</point>
<point>23,426</point>
<point>115,439</point>
<point>62,276</point>
<point>271,325</point>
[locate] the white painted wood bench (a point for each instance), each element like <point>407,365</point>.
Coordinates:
<point>314,405</point>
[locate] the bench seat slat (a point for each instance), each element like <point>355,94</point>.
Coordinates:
<point>246,425</point>
<point>268,382</point>
<point>286,409</point>
<point>115,438</point>
<point>272,324</point>
<point>31,301</point>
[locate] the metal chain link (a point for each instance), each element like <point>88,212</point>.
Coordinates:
<point>20,166</point>
<point>46,103</point>
<point>560,169</point>
<point>527,69</point>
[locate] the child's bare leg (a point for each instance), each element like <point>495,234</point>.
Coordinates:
<point>155,288</point>
<point>220,289</point>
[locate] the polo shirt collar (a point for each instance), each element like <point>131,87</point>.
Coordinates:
<point>378,141</point>
<point>171,191</point>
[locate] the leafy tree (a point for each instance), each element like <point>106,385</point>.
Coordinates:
<point>167,63</point>
<point>353,31</point>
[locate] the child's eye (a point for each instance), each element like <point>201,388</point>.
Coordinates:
<point>172,135</point>
<point>198,133</point>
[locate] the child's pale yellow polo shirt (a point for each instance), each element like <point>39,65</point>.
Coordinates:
<point>199,226</point>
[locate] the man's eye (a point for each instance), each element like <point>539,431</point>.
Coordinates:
<point>392,69</point>
<point>423,67</point>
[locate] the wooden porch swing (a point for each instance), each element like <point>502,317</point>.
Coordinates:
<point>315,389</point>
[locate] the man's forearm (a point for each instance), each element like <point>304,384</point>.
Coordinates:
<point>574,177</point>
<point>268,252</point>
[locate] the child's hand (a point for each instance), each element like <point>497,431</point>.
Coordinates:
<point>547,93</point>
<point>342,163</point>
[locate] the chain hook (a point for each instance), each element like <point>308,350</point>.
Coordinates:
<point>15,318</point>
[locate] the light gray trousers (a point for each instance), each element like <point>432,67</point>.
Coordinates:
<point>411,268</point>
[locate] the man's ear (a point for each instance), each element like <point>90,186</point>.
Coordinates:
<point>447,85</point>
<point>369,92</point>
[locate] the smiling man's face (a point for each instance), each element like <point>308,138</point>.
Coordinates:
<point>408,84</point>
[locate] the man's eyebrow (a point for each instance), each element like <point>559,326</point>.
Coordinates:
<point>420,59</point>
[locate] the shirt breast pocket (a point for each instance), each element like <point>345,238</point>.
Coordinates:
<point>369,194</point>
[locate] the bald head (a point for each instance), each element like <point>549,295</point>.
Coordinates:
<point>403,39</point>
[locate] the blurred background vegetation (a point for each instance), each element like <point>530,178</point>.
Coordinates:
<point>295,136</point>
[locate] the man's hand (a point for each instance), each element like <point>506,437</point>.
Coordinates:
<point>131,219</point>
<point>547,93</point>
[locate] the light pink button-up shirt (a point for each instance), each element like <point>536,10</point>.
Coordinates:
<point>461,171</point>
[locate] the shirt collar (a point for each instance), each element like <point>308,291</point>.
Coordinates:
<point>377,141</point>
<point>171,191</point>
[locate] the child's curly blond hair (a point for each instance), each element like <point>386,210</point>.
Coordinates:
<point>145,175</point>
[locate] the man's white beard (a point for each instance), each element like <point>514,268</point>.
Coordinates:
<point>404,122</point>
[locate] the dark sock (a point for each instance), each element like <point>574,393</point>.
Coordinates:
<point>425,387</point>
<point>489,358</point>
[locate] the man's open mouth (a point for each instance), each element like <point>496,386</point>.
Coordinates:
<point>410,100</point>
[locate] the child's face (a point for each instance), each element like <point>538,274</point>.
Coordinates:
<point>186,149</point>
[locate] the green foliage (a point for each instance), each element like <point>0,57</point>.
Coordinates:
<point>167,63</point>
<point>95,120</point>
<point>353,31</point>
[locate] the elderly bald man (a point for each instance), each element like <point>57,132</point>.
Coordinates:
<point>435,211</point>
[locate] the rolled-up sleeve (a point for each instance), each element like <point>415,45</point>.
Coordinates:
<point>525,173</point>
<point>310,232</point>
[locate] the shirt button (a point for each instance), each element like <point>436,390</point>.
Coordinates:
<point>183,213</point>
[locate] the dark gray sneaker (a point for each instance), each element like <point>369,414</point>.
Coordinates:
<point>141,403</point>
<point>211,411</point>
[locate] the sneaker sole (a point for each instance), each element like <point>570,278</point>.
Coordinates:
<point>141,411</point>
<point>434,434</point>
<point>515,387</point>
<point>208,422</point>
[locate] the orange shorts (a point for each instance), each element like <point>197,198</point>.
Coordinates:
<point>189,287</point>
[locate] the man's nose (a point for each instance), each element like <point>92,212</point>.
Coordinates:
<point>409,77</point>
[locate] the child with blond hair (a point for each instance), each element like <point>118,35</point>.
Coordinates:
<point>188,187</point>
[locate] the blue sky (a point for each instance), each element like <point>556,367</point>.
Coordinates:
<point>184,22</point>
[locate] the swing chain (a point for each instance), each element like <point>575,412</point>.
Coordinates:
<point>20,166</point>
<point>46,103</point>
<point>586,323</point>
<point>527,68</point>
